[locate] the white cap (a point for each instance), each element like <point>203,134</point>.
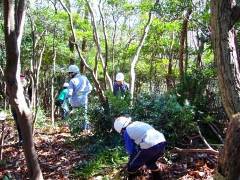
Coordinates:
<point>120,77</point>
<point>65,84</point>
<point>73,69</point>
<point>121,122</point>
<point>3,116</point>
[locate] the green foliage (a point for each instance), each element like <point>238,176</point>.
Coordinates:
<point>102,119</point>
<point>208,119</point>
<point>119,104</point>
<point>76,120</point>
<point>166,114</point>
<point>3,163</point>
<point>194,87</point>
<point>41,119</point>
<point>105,159</point>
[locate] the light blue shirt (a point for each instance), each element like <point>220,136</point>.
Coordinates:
<point>79,88</point>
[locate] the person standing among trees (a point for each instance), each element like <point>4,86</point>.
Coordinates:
<point>79,89</point>
<point>120,87</point>
<point>62,100</point>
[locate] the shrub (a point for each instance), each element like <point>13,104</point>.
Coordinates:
<point>166,114</point>
<point>75,121</point>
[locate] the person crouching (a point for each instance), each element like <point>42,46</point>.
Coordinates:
<point>143,143</point>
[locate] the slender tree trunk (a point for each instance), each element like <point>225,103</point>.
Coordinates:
<point>98,44</point>
<point>84,42</point>
<point>201,42</point>
<point>151,75</point>
<point>99,89</point>
<point>13,24</point>
<point>105,42</point>
<point>183,36</point>
<point>36,83</point>
<point>113,49</point>
<point>52,82</point>
<point>169,78</point>
<point>136,55</point>
<point>224,14</point>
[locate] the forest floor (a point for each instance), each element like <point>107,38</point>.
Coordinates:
<point>57,158</point>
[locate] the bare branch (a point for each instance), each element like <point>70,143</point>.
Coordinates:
<point>204,140</point>
<point>187,151</point>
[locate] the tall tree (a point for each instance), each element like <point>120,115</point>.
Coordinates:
<point>137,53</point>
<point>14,16</point>
<point>225,14</point>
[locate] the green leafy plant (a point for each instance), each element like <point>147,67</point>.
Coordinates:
<point>103,162</point>
<point>166,114</point>
<point>41,119</point>
<point>75,121</point>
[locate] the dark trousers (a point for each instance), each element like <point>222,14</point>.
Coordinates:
<point>146,157</point>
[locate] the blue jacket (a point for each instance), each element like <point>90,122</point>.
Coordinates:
<point>120,89</point>
<point>79,88</point>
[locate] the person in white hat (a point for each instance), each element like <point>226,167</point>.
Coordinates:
<point>143,143</point>
<point>79,89</point>
<point>120,87</point>
<point>62,100</point>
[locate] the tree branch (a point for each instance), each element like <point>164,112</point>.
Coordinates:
<point>187,151</point>
<point>204,140</point>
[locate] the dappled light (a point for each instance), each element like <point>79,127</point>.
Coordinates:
<point>119,89</point>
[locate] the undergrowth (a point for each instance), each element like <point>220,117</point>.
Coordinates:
<point>103,163</point>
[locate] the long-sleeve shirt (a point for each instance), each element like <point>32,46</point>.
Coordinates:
<point>79,88</point>
<point>142,135</point>
<point>129,144</point>
<point>120,89</point>
<point>63,94</point>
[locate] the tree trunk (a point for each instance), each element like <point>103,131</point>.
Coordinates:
<point>229,164</point>
<point>13,24</point>
<point>36,73</point>
<point>84,42</point>
<point>226,55</point>
<point>200,42</point>
<point>52,81</point>
<point>183,37</point>
<point>98,44</point>
<point>136,55</point>
<point>105,42</point>
<point>169,78</point>
<point>224,15</point>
